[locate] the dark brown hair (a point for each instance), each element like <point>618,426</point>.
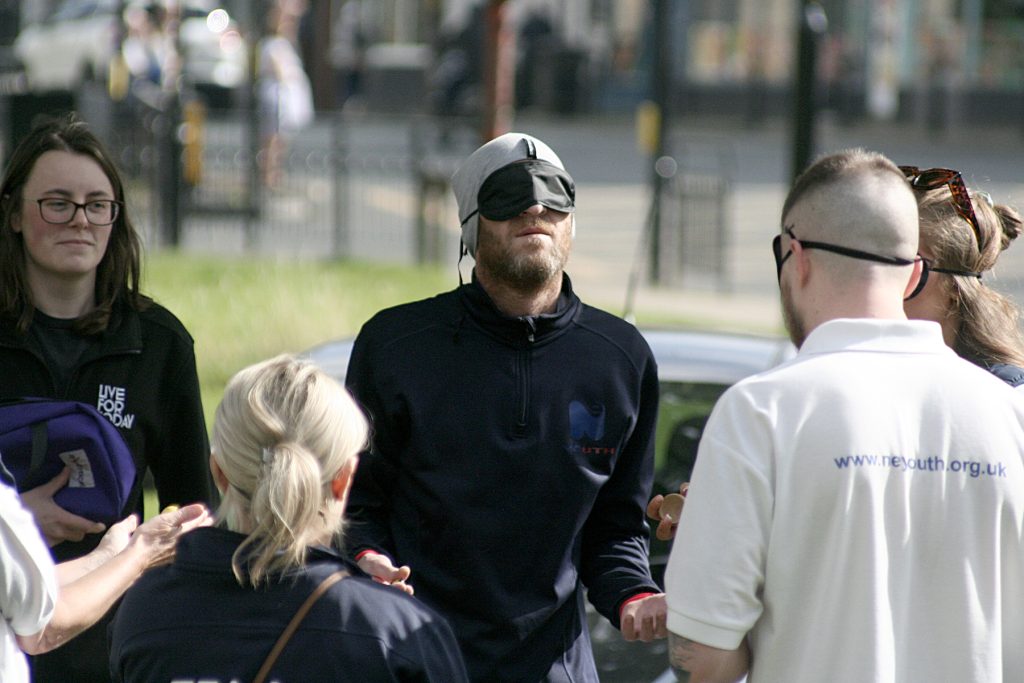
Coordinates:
<point>118,273</point>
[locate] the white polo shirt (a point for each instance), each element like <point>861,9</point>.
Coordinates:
<point>859,511</point>
<point>28,585</point>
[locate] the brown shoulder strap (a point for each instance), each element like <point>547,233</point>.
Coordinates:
<point>293,625</point>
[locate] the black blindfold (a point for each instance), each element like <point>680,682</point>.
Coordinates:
<point>514,188</point>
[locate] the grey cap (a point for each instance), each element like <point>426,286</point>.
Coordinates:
<point>478,166</point>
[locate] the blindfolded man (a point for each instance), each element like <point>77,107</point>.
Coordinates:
<point>513,437</point>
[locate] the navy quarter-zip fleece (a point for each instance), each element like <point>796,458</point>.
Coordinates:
<point>511,466</point>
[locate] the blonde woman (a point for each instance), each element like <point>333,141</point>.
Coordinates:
<point>285,444</point>
<point>962,235</point>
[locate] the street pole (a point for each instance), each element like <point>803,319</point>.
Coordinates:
<point>662,83</point>
<point>499,72</point>
<point>811,27</point>
<point>171,117</point>
<point>257,19</point>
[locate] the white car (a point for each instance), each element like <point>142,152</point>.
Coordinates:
<point>694,368</point>
<point>76,42</point>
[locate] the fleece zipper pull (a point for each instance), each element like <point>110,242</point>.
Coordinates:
<point>524,382</point>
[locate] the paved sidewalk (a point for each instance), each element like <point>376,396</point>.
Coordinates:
<point>613,195</point>
<point>613,199</point>
<point>604,263</point>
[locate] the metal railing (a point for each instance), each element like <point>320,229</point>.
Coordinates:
<point>695,210</point>
<point>358,187</point>
<point>369,187</point>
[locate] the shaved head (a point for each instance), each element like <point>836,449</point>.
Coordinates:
<point>850,223</point>
<point>857,199</point>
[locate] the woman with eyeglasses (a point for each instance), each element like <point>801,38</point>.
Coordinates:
<point>962,235</point>
<point>74,325</point>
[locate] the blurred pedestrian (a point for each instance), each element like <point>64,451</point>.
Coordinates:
<point>286,439</point>
<point>350,39</point>
<point>537,47</point>
<point>513,442</point>
<point>455,79</point>
<point>144,45</point>
<point>855,513</point>
<point>962,235</point>
<point>75,325</point>
<point>285,95</point>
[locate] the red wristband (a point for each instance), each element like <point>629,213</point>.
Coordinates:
<point>364,553</point>
<point>638,596</point>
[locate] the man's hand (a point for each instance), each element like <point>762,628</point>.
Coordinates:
<point>667,519</point>
<point>644,619</point>
<point>384,571</point>
<point>56,523</point>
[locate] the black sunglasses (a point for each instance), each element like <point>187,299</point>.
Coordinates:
<point>933,178</point>
<point>848,252</point>
<point>929,268</point>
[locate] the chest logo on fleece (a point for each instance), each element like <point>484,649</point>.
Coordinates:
<point>111,404</point>
<point>587,424</point>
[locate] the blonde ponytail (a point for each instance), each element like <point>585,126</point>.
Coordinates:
<point>282,433</point>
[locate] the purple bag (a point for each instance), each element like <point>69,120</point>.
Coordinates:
<point>39,437</point>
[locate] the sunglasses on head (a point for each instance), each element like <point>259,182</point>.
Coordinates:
<point>933,178</point>
<point>780,259</point>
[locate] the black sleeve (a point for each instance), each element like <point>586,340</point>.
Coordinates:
<point>180,456</point>
<point>369,500</point>
<point>615,563</point>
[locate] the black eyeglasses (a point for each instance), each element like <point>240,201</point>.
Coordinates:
<point>98,211</point>
<point>844,251</point>
<point>933,178</point>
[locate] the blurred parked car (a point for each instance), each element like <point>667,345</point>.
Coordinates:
<point>75,44</point>
<point>694,369</point>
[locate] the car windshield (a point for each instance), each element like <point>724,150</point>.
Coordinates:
<point>684,409</point>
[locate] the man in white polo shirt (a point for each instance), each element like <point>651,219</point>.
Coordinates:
<point>28,584</point>
<point>856,514</point>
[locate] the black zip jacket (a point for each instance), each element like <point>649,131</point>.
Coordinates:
<point>511,466</point>
<point>141,374</point>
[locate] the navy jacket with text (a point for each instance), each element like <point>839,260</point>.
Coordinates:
<point>141,374</point>
<point>511,466</point>
<point>191,621</point>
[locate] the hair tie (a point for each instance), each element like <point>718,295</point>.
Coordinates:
<point>268,456</point>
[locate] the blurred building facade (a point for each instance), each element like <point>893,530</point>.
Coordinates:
<point>880,58</point>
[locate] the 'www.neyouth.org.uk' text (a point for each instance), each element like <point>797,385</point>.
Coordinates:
<point>972,468</point>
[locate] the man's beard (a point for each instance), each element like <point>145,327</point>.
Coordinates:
<point>524,271</point>
<point>792,318</point>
